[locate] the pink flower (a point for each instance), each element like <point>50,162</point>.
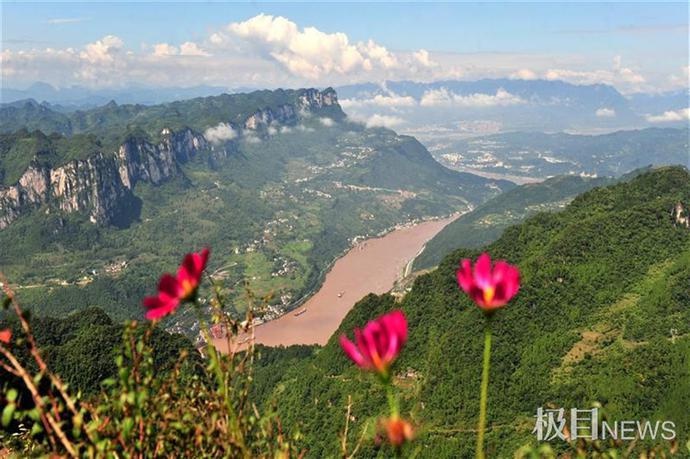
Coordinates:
<point>5,336</point>
<point>489,288</point>
<point>379,343</point>
<point>173,290</point>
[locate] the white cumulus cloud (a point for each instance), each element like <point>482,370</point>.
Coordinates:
<point>309,52</point>
<point>670,116</point>
<point>422,57</point>
<point>388,121</point>
<point>220,133</point>
<point>442,97</point>
<point>103,51</point>
<point>605,113</point>
<point>328,122</point>
<point>524,74</point>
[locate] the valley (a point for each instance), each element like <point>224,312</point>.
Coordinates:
<point>278,184</point>
<point>526,156</point>
<point>370,266</point>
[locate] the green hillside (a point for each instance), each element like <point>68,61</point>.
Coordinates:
<point>82,347</point>
<point>486,223</point>
<point>603,315</point>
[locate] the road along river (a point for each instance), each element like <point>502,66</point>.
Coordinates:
<point>372,266</point>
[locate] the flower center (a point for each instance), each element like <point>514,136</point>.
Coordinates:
<point>489,293</point>
<point>188,288</point>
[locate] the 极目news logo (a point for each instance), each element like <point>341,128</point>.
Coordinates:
<point>551,424</point>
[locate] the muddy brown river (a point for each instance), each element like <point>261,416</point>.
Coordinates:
<point>372,266</point>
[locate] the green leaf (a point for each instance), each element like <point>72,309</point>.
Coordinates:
<point>127,427</point>
<point>12,395</point>
<point>36,429</point>
<point>7,414</point>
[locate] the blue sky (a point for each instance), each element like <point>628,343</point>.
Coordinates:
<point>649,39</point>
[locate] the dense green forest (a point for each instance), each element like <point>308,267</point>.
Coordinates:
<point>81,348</point>
<point>486,223</point>
<point>603,315</point>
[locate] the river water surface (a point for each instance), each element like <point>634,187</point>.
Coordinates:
<point>372,266</point>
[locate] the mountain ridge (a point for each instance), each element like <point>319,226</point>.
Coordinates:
<point>100,182</point>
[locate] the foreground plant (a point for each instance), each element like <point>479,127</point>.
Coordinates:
<point>490,288</point>
<point>186,411</point>
<point>375,348</point>
<point>181,288</point>
<point>378,344</point>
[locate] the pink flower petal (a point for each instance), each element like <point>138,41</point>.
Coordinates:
<point>351,351</point>
<point>482,271</point>
<point>464,275</point>
<point>193,266</point>
<point>169,285</point>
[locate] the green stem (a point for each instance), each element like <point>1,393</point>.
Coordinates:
<point>484,391</point>
<point>392,400</point>
<point>219,373</point>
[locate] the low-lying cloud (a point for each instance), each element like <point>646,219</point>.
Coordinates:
<point>220,133</point>
<point>387,121</point>
<point>390,100</point>
<point>670,116</point>
<point>605,113</point>
<point>442,97</point>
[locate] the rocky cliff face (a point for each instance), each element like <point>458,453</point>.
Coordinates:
<point>309,101</point>
<point>100,184</point>
<point>313,99</point>
<point>284,114</point>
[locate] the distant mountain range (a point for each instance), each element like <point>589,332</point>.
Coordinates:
<point>80,97</point>
<point>464,107</point>
<point>452,107</point>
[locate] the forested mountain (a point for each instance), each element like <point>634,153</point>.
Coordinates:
<point>603,315</point>
<point>81,347</point>
<point>486,223</point>
<point>93,203</point>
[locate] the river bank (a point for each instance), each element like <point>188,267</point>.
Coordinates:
<point>371,266</point>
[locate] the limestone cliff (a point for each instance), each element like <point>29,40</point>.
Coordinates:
<point>101,185</point>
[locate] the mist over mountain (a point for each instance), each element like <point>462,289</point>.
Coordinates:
<point>81,97</point>
<point>537,155</point>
